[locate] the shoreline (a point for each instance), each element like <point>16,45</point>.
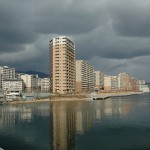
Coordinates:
<point>44,100</point>
<point>101,96</point>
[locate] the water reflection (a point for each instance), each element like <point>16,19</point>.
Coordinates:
<point>72,118</point>
<point>23,126</point>
<point>57,125</point>
<point>11,114</point>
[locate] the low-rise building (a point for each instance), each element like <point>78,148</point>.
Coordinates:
<point>13,85</point>
<point>142,86</point>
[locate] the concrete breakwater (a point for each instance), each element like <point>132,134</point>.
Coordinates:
<point>110,95</point>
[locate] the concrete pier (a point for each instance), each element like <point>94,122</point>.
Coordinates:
<point>110,95</point>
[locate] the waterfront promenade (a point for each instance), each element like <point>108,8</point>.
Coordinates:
<point>85,97</point>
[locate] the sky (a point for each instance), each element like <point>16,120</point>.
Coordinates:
<point>111,35</point>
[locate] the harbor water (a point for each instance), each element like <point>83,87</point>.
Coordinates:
<point>112,124</point>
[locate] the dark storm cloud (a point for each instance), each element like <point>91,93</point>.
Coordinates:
<point>15,26</point>
<point>131,18</point>
<point>113,31</point>
<point>66,17</point>
<point>111,46</point>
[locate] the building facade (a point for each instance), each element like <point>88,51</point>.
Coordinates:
<point>110,83</point>
<point>30,82</point>
<point>6,73</point>
<point>127,82</point>
<point>98,81</point>
<point>45,84</point>
<point>13,85</point>
<point>142,86</point>
<point>62,65</point>
<point>84,77</point>
<point>107,84</point>
<point>123,81</point>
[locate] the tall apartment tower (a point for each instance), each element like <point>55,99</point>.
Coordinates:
<point>84,77</point>
<point>62,65</point>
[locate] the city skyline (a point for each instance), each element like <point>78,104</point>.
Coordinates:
<point>113,37</point>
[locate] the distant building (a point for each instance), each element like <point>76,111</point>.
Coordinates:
<point>30,82</point>
<point>98,81</point>
<point>13,85</point>
<point>84,77</point>
<point>123,81</point>
<point>141,82</point>
<point>1,81</point>
<point>45,84</point>
<point>107,84</point>
<point>133,86</point>
<point>142,86</point>
<point>110,83</point>
<point>114,83</point>
<point>62,65</point>
<point>6,73</point>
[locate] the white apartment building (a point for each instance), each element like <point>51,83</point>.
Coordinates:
<point>114,83</point>
<point>127,82</point>
<point>98,81</point>
<point>13,85</point>
<point>123,81</point>
<point>62,65</point>
<point>45,84</point>
<point>110,83</point>
<point>6,73</point>
<point>84,77</point>
<point>30,82</point>
<point>141,82</point>
<point>142,86</point>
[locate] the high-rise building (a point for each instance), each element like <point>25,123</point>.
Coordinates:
<point>62,65</point>
<point>98,81</point>
<point>123,81</point>
<point>110,83</point>
<point>127,82</point>
<point>107,83</point>
<point>114,83</point>
<point>84,77</point>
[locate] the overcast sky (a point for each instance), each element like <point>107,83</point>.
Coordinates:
<point>112,35</point>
